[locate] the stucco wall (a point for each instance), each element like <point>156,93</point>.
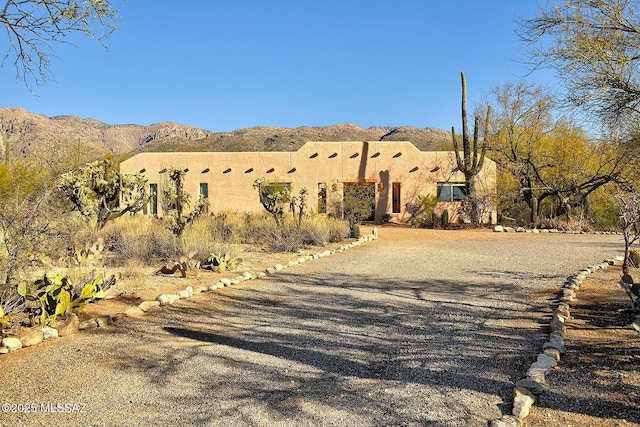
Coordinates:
<point>230,176</point>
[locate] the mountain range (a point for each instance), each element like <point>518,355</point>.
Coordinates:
<point>32,134</point>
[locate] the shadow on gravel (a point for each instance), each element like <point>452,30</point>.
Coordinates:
<point>321,350</point>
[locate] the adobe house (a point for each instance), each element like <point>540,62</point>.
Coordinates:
<point>396,171</point>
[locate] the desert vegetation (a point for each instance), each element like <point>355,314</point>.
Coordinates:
<point>67,235</point>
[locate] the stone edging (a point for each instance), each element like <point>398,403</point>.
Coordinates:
<point>73,324</point>
<point>526,389</point>
<point>507,229</point>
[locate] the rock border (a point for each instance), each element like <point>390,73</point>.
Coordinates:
<point>72,324</point>
<point>508,229</point>
<point>534,382</point>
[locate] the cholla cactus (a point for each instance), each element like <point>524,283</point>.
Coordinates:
<point>101,193</point>
<point>274,198</point>
<point>176,202</point>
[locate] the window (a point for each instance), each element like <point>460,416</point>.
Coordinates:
<point>451,192</point>
<point>153,199</point>
<point>204,190</point>
<point>273,187</point>
<point>396,197</point>
<point>322,198</point>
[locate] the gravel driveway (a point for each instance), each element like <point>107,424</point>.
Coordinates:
<point>421,327</point>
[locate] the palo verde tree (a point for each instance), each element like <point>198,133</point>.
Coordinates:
<point>33,27</point>
<point>101,193</point>
<point>473,154</point>
<point>594,46</point>
<point>543,157</point>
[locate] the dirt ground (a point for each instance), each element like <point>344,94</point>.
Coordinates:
<point>597,383</point>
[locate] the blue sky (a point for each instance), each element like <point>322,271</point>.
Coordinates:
<point>229,64</point>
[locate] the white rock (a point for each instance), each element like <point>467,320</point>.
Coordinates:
<point>505,421</point>
<point>162,299</point>
<point>521,406</point>
<point>148,305</point>
<point>189,290</point>
<point>225,281</point>
<point>173,298</point>
<point>12,344</point>
<point>48,332</point>
<point>247,275</point>
<point>278,267</point>
<point>184,294</point>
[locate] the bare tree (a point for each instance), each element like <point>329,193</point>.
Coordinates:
<point>33,27</point>
<point>594,45</point>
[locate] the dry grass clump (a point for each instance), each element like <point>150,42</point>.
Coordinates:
<point>261,229</point>
<point>142,238</point>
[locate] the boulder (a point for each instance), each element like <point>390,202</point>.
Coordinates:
<point>521,406</point>
<point>506,421</point>
<point>48,332</point>
<point>498,229</point>
<point>533,386</point>
<point>148,305</point>
<point>162,299</point>
<point>70,326</point>
<point>134,312</point>
<point>11,344</point>
<point>32,338</point>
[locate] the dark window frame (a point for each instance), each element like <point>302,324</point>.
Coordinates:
<point>451,191</point>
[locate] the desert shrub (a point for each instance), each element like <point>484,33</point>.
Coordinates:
<point>141,238</point>
<point>320,230</point>
<point>201,236</point>
<point>475,209</point>
<point>421,209</point>
<point>603,210</point>
<point>11,304</point>
<point>284,238</point>
<point>338,230</point>
<point>519,212</point>
<point>287,235</point>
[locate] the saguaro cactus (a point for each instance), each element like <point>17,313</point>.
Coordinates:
<point>471,162</point>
